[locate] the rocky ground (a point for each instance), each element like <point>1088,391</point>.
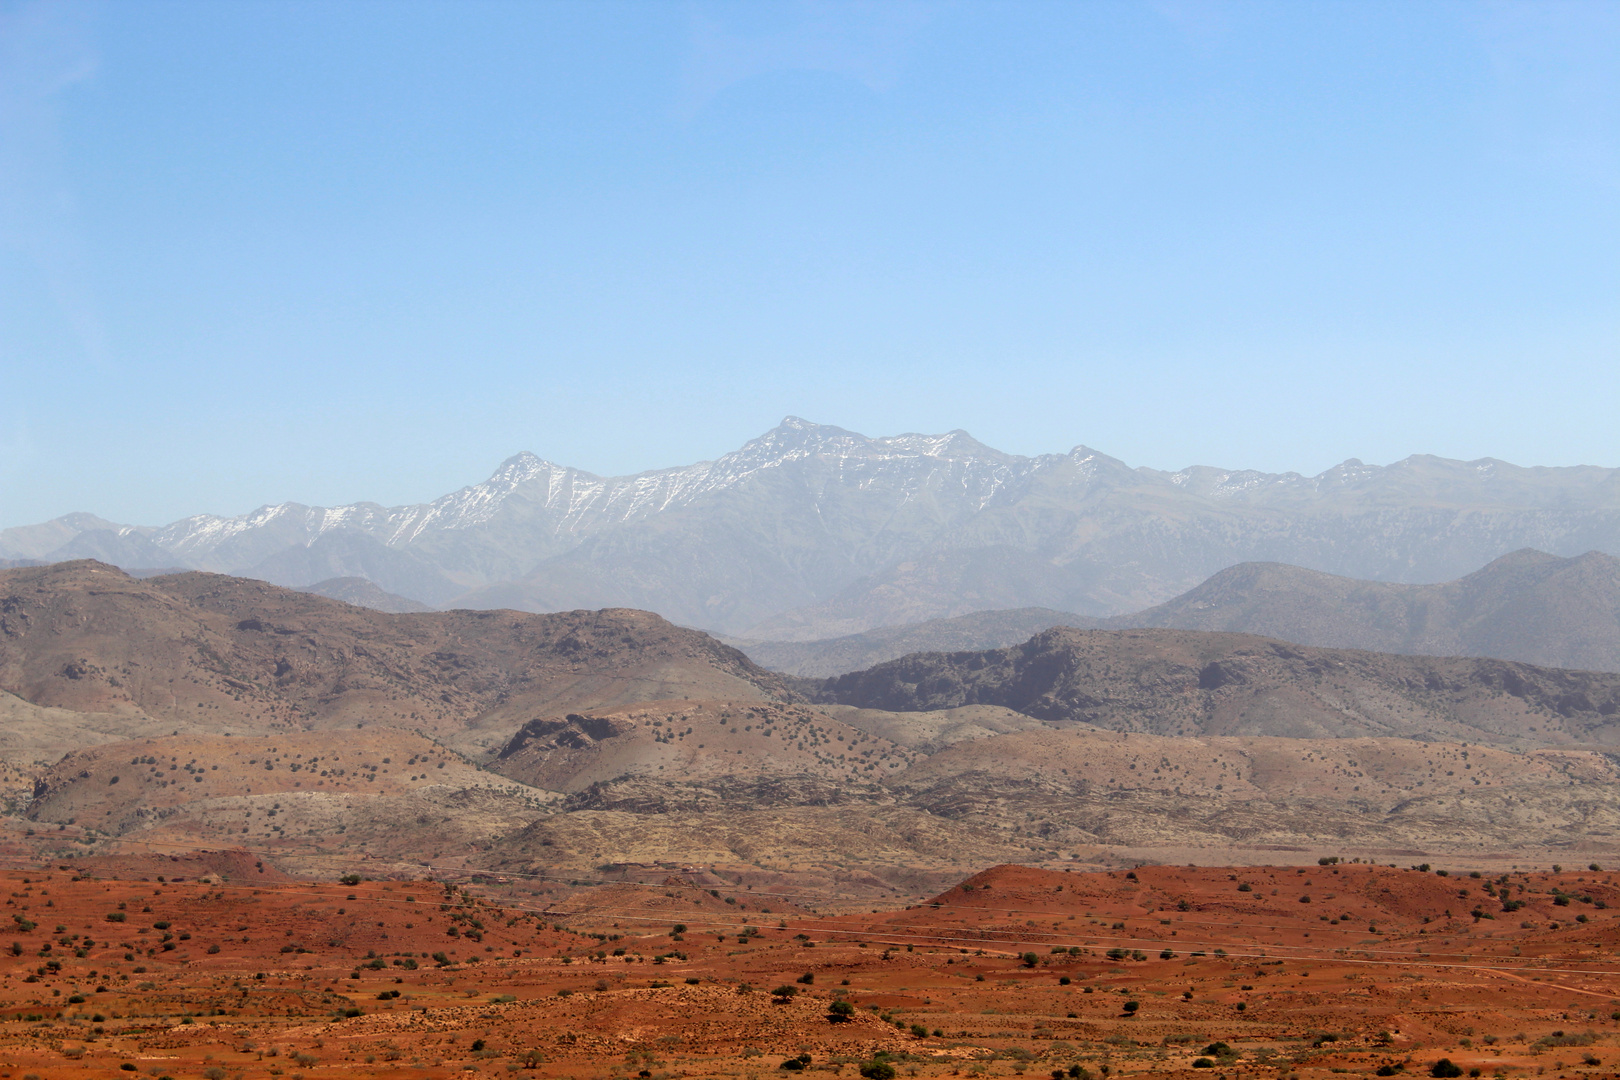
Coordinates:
<point>216,965</point>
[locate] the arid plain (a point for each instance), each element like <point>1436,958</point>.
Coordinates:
<point>222,967</point>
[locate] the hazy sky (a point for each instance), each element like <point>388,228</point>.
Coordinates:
<point>252,252</point>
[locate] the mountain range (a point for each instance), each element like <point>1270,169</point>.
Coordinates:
<point>1527,605</point>
<point>811,531</point>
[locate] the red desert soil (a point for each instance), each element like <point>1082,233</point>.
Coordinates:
<point>213,965</point>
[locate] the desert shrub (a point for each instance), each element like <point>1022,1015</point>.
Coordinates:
<point>1445,1067</point>
<point>1203,1063</point>
<point>877,1069</point>
<point>1558,1038</point>
<point>840,1012</point>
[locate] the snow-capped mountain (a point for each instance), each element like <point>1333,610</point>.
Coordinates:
<point>810,529</point>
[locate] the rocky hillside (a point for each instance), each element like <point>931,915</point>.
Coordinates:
<point>379,792</point>
<point>230,655</point>
<point>1180,682</point>
<point>197,710</point>
<point>697,741</point>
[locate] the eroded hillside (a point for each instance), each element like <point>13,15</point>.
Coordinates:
<point>1178,682</point>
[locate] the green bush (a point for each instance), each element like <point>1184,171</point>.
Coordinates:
<point>1445,1067</point>
<point>877,1070</point>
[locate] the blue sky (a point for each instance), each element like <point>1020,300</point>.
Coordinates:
<point>335,251</point>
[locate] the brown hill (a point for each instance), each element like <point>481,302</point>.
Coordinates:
<point>1179,682</point>
<point>249,657</point>
<point>696,741</point>
<point>1375,773</point>
<point>303,794</point>
<point>929,732</point>
<point>1527,606</point>
<point>629,741</point>
<point>1061,790</point>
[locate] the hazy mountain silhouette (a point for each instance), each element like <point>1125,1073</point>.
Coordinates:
<point>811,531</point>
<point>1527,605</point>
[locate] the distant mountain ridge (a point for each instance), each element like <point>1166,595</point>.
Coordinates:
<point>362,593</point>
<point>1527,605</point>
<point>811,531</point>
<point>854,652</point>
